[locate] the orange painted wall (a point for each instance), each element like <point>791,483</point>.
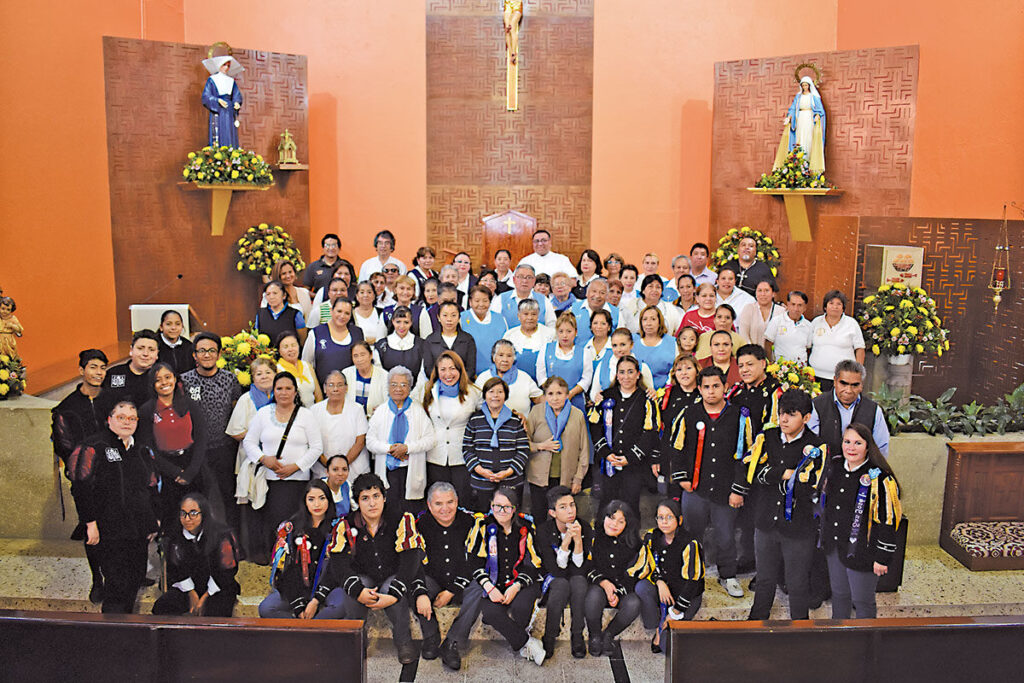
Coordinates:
<point>54,196</point>
<point>653,87</point>
<point>367,107</point>
<point>968,134</point>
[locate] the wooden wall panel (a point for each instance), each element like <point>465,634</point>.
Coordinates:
<point>986,356</point>
<point>482,159</point>
<point>870,99</point>
<point>154,118</point>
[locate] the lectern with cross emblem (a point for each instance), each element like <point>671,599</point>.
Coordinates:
<point>512,230</point>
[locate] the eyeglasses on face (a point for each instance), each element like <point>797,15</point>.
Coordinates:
<point>125,419</point>
<point>502,508</point>
<point>207,352</point>
<point>190,514</point>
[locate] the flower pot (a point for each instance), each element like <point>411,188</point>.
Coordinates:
<point>901,359</point>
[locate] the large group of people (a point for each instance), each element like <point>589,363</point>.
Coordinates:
<point>423,436</point>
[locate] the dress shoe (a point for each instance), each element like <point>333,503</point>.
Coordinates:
<point>595,645</point>
<point>579,648</point>
<point>607,644</point>
<point>450,656</point>
<point>431,647</point>
<point>549,648</point>
<point>407,652</point>
<point>96,593</point>
<point>655,647</point>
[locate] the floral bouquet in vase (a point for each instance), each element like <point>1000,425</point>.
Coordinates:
<point>793,375</point>
<point>262,246</point>
<point>12,376</point>
<point>899,320</point>
<point>239,351</point>
<point>728,248</point>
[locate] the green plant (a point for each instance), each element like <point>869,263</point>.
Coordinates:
<point>795,173</point>
<point>728,248</point>
<point>917,414</point>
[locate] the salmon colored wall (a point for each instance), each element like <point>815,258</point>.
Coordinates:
<point>367,107</point>
<point>970,106</point>
<point>653,87</point>
<point>54,197</point>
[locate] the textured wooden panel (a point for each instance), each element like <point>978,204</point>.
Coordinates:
<point>482,159</point>
<point>835,260</point>
<point>986,357</point>
<point>869,97</point>
<point>454,214</point>
<point>154,118</point>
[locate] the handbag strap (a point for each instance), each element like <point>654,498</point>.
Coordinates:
<point>287,429</point>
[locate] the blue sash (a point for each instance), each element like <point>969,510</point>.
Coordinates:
<point>810,453</point>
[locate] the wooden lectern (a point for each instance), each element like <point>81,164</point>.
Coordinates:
<point>512,230</point>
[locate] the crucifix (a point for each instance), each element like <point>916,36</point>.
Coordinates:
<point>509,223</point>
<point>512,15</point>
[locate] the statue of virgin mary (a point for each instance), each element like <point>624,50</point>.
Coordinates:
<point>806,122</point>
<point>223,99</point>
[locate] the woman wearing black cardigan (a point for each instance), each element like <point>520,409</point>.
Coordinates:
<point>174,427</point>
<point>450,335</point>
<point>202,560</point>
<point>495,446</point>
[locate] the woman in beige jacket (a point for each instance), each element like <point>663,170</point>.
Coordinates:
<point>559,445</point>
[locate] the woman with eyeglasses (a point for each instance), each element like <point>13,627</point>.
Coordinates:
<point>510,576</point>
<point>342,427</point>
<point>202,561</point>
<point>676,584</point>
<point>366,316</point>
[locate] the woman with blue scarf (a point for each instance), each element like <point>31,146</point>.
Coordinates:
<point>523,392</point>
<point>559,445</point>
<point>495,446</point>
<point>337,482</point>
<point>449,399</point>
<point>399,436</point>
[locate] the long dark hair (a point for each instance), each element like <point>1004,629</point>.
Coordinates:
<point>875,456</point>
<point>641,386</point>
<point>630,534</point>
<point>179,401</point>
<point>302,521</point>
<point>284,374</point>
<point>212,528</point>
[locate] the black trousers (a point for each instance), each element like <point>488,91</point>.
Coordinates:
<point>539,500</point>
<point>456,475</point>
<point>626,613</point>
<point>92,554</point>
<point>220,604</point>
<point>396,491</point>
<point>772,550</point>
<point>219,479</point>
<point>625,485</point>
<point>571,591</point>
<point>511,620</point>
<point>123,562</point>
<point>283,501</point>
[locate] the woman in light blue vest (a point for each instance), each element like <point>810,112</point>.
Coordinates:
<point>563,358</point>
<point>482,324</point>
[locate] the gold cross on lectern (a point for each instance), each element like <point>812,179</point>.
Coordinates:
<point>509,223</point>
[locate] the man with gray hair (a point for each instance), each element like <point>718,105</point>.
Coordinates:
<point>507,304</point>
<point>835,410</point>
<point>447,577</point>
<point>597,298</point>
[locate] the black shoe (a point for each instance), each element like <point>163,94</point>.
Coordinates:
<point>753,583</point>
<point>784,587</point>
<point>579,648</point>
<point>607,644</point>
<point>745,568</point>
<point>549,648</point>
<point>431,647</point>
<point>96,593</point>
<point>655,647</point>
<point>595,645</point>
<point>407,653</point>
<point>450,656</point>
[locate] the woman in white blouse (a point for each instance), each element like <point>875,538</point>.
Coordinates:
<point>449,399</point>
<point>342,427</point>
<point>366,316</point>
<point>287,460</point>
<point>367,381</point>
<point>835,336</point>
<point>399,436</point>
<point>523,392</point>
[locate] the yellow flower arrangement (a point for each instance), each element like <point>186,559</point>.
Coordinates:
<point>263,245</point>
<point>792,375</point>
<point>728,248</point>
<point>898,319</point>
<point>226,165</point>
<point>12,376</point>
<point>239,351</point>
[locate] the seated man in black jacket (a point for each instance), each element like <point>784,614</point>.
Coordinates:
<point>377,558</point>
<point>448,567</point>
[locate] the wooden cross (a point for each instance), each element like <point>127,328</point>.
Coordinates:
<point>509,222</point>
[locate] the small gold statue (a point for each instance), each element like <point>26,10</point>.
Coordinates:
<point>287,152</point>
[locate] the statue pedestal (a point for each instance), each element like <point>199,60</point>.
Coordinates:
<point>796,207</point>
<point>220,200</point>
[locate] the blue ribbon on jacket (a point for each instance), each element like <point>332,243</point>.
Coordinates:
<point>608,414</point>
<point>860,507</point>
<point>492,553</point>
<point>810,453</point>
<point>740,440</point>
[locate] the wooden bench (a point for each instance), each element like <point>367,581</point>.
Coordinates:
<point>65,646</point>
<point>928,649</point>
<point>983,506</point>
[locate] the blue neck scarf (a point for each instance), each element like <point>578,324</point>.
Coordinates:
<point>399,429</point>
<point>509,377</point>
<point>259,399</point>
<point>445,390</point>
<point>504,416</point>
<point>344,506</point>
<point>556,423</point>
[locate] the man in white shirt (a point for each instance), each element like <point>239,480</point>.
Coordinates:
<point>698,264</point>
<point>545,261</point>
<point>384,243</point>
<point>789,336</point>
<point>729,293</point>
